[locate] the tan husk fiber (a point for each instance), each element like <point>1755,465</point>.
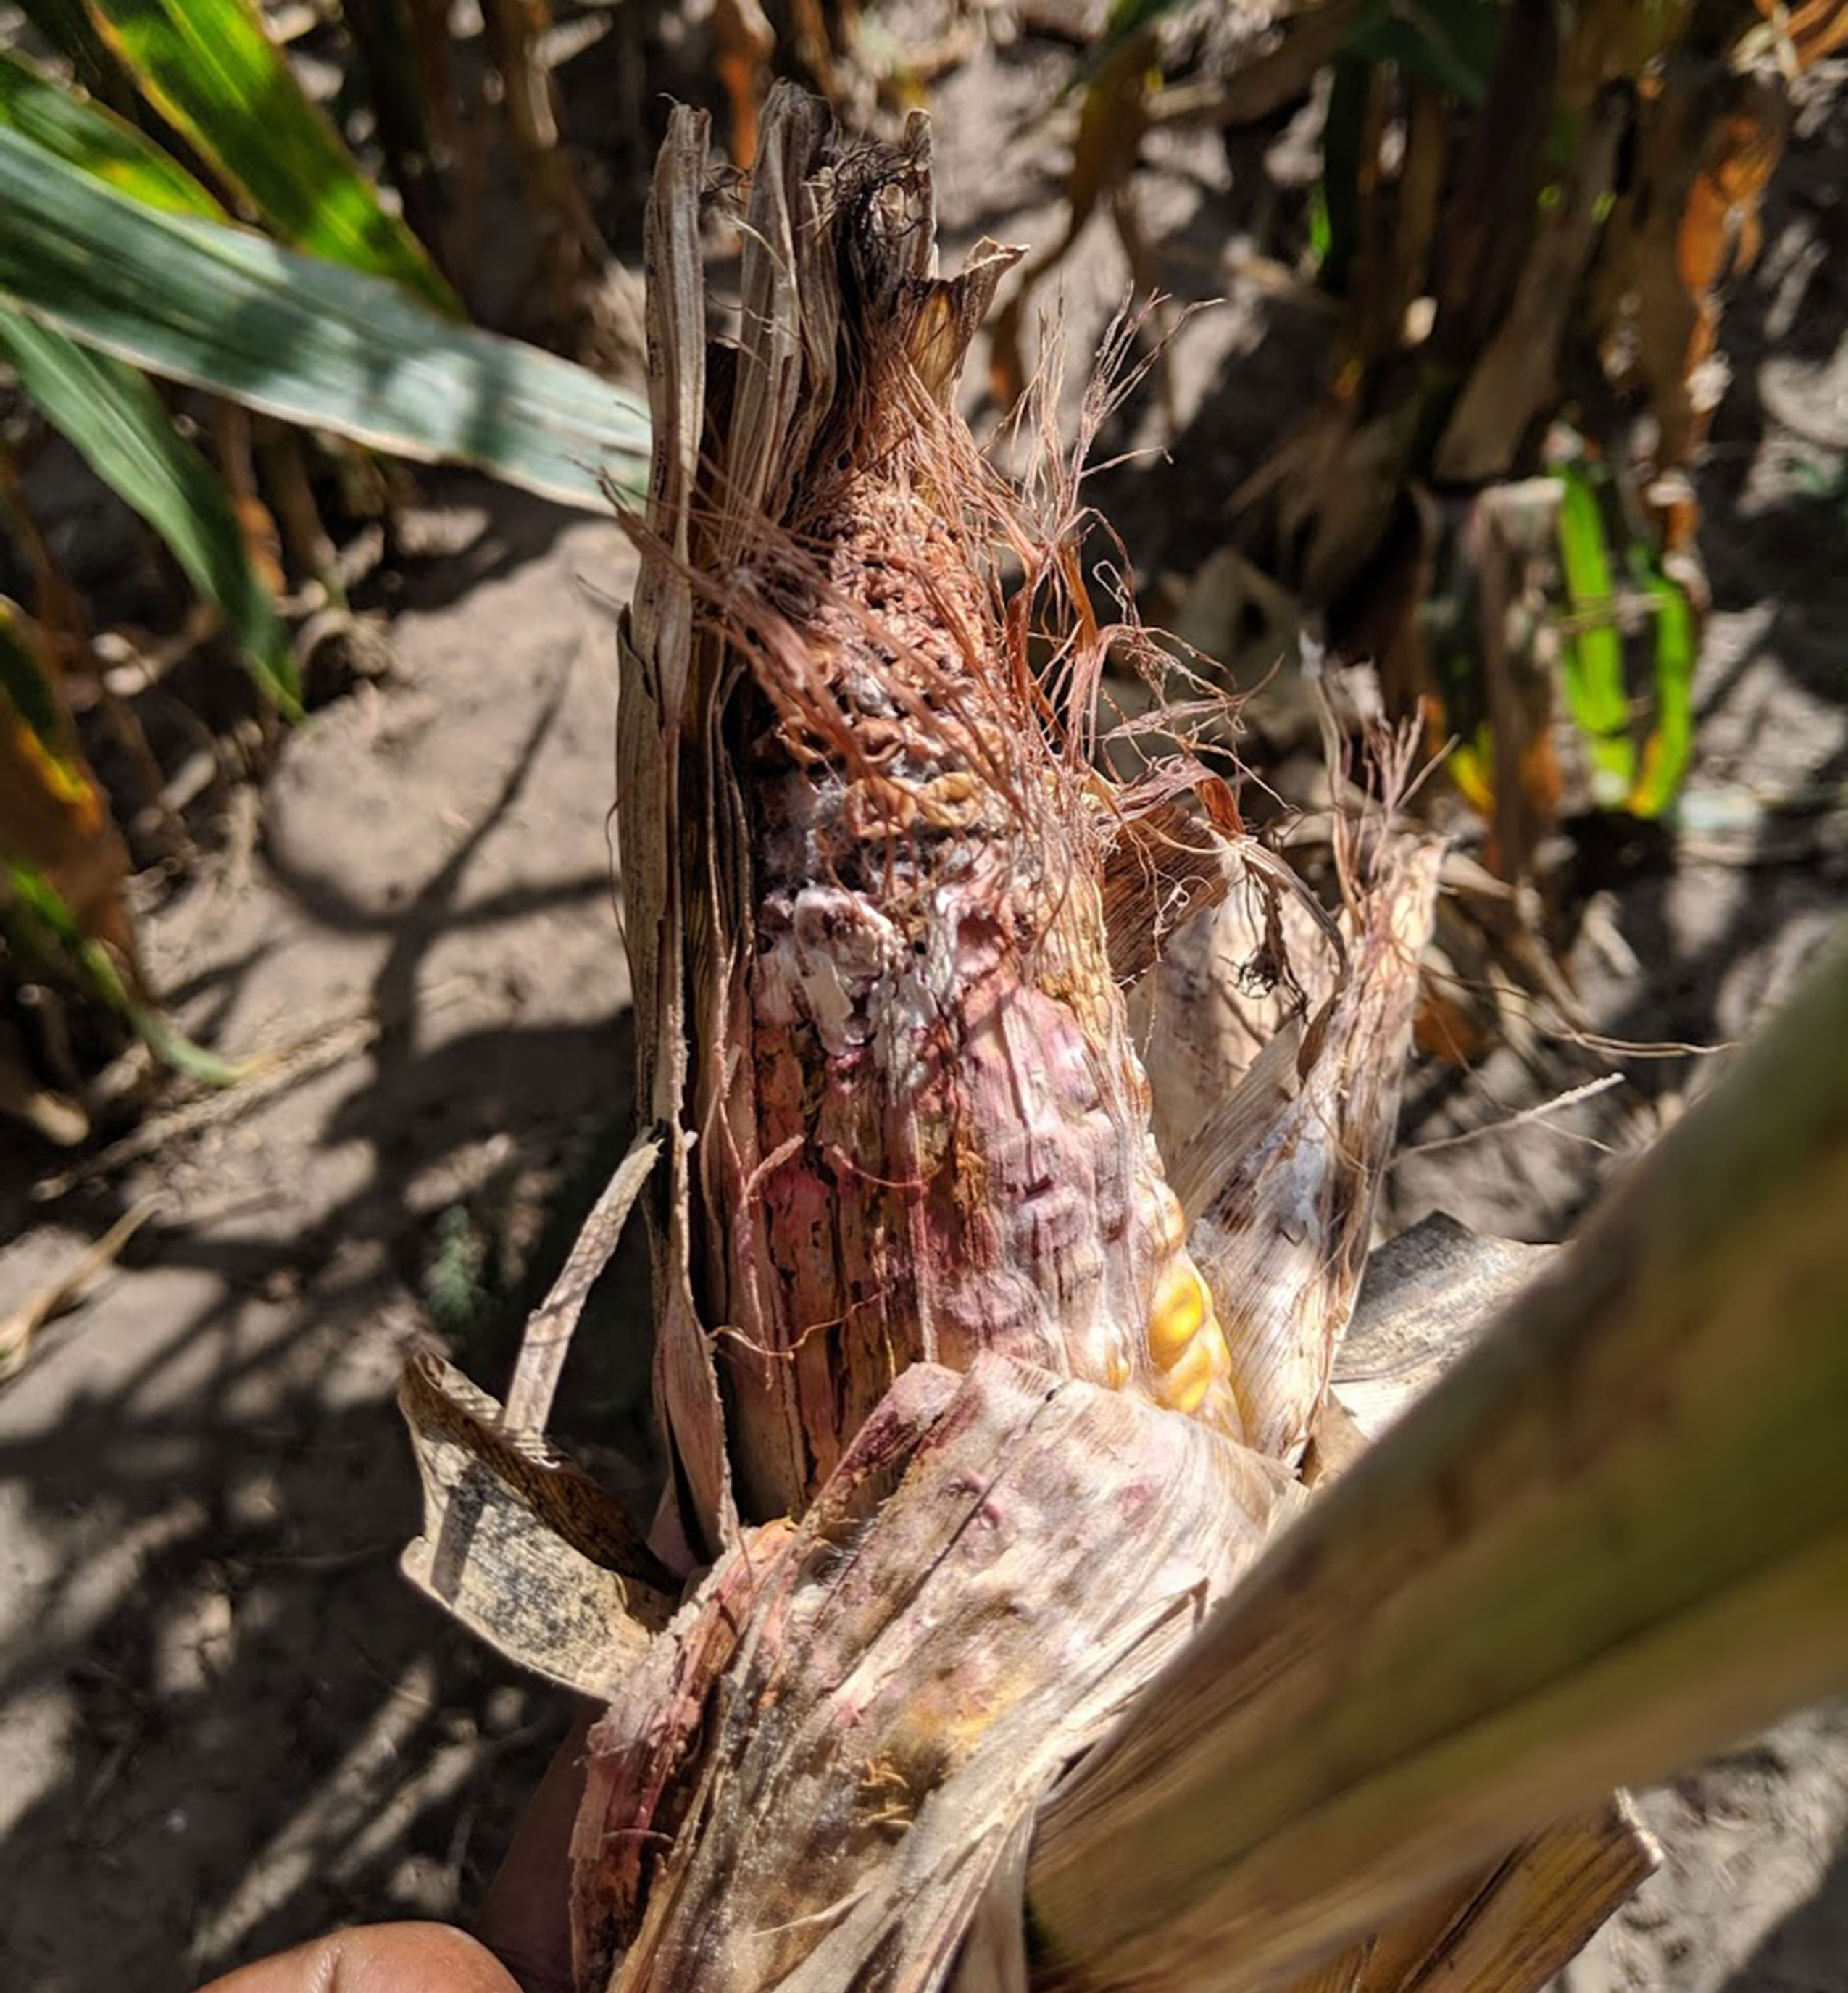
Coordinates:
<point>1280,1182</point>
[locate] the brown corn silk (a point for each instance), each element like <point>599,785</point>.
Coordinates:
<point>913,1127</point>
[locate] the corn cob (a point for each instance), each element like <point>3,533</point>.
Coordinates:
<point>921,1128</point>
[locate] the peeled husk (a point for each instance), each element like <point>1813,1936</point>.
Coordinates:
<point>1280,1182</point>
<point>915,1665</point>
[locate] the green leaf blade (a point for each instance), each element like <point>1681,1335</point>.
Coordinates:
<point>1592,654</point>
<point>114,418</point>
<point>210,69</point>
<point>1670,746</point>
<point>59,931</point>
<point>309,341</point>
<point>95,140</point>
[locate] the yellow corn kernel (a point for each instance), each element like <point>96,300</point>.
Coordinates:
<point>1185,1385</point>
<point>1181,1309</point>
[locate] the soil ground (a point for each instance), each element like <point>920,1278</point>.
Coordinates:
<point>225,1722</point>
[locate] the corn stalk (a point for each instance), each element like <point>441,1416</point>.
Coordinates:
<point>981,1412</point>
<point>1565,1566</point>
<point>1533,251</point>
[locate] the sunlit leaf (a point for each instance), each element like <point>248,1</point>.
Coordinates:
<point>103,973</point>
<point>302,339</point>
<point>86,135</point>
<point>114,417</point>
<point>54,819</point>
<point>1592,651</point>
<point>1321,237</point>
<point>1670,746</point>
<point>210,69</point>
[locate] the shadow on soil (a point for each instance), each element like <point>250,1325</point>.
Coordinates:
<point>256,1728</point>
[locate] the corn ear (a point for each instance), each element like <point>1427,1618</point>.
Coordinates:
<point>913,1127</point>
<point>880,906</point>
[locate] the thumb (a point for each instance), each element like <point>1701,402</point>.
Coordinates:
<point>376,1958</point>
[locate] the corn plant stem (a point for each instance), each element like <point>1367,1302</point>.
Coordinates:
<point>389,57</point>
<point>1615,1537</point>
<point>282,458</point>
<point>568,242</point>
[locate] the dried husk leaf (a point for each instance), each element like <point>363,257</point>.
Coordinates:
<point>1161,872</point>
<point>529,1553</point>
<point>1283,1176</point>
<point>1543,1575</point>
<point>1427,1296</point>
<point>654,650</point>
<point>644,1755</point>
<point>1510,1929</point>
<point>1228,981</point>
<point>905,1672</point>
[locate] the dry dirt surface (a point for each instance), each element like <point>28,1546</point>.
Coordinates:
<point>225,1722</point>
<point>228,1721</point>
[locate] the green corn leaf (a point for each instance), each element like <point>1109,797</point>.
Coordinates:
<point>1321,233</point>
<point>87,136</point>
<point>57,931</point>
<point>1451,42</point>
<point>307,340</point>
<point>114,417</point>
<point>1670,746</point>
<point>24,682</point>
<point>1592,655</point>
<point>210,68</point>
